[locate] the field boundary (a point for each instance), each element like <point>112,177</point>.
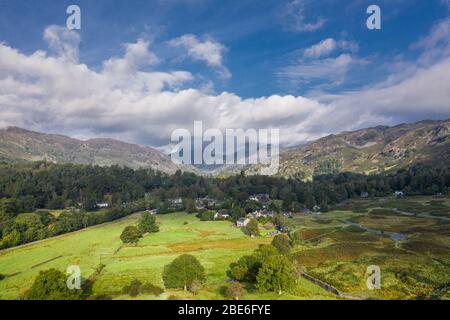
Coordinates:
<point>329,287</point>
<point>45,262</point>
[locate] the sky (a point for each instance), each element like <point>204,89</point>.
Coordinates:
<point>137,70</point>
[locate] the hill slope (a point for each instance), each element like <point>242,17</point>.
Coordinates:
<point>19,144</point>
<point>370,150</point>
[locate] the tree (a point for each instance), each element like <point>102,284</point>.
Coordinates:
<point>235,291</point>
<point>264,252</point>
<point>9,206</point>
<point>130,234</point>
<point>182,272</point>
<point>252,228</point>
<point>11,240</point>
<point>282,223</point>
<point>245,269</point>
<point>275,274</point>
<point>147,223</point>
<point>189,205</point>
<point>282,243</point>
<point>51,285</point>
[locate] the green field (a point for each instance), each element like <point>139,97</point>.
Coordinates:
<point>216,244</point>
<point>416,267</point>
<point>335,247</point>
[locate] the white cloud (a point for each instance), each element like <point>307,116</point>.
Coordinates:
<point>330,68</point>
<point>328,46</point>
<point>320,49</point>
<point>295,18</point>
<point>208,50</point>
<point>315,63</point>
<point>63,42</point>
<point>129,100</point>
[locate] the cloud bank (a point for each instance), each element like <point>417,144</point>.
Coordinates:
<point>130,99</point>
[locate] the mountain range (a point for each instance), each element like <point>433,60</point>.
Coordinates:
<point>18,144</point>
<point>371,150</point>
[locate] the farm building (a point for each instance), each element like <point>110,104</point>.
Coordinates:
<point>242,222</point>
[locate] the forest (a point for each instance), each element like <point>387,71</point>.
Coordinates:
<point>29,190</point>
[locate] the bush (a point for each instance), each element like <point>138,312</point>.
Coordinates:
<point>130,234</point>
<point>195,286</point>
<point>147,223</point>
<point>355,229</point>
<point>51,285</point>
<point>133,289</point>
<point>182,271</point>
<point>282,243</point>
<point>235,291</point>
<point>206,216</point>
<point>2,276</point>
<point>150,288</point>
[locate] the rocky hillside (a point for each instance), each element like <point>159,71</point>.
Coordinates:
<point>371,150</point>
<point>19,144</point>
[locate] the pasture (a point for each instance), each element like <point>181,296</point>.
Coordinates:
<point>215,243</point>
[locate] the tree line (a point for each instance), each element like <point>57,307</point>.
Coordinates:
<point>35,188</point>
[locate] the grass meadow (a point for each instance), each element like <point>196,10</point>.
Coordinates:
<point>216,244</point>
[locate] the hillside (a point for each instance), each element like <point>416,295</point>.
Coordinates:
<point>371,150</point>
<point>19,144</point>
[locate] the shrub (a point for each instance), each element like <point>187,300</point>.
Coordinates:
<point>235,291</point>
<point>195,286</point>
<point>282,243</point>
<point>182,271</point>
<point>206,216</point>
<point>133,289</point>
<point>355,229</point>
<point>130,234</point>
<point>51,285</point>
<point>150,288</point>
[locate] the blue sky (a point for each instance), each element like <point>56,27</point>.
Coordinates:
<point>256,34</point>
<point>235,53</point>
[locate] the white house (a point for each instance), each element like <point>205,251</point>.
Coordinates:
<point>242,222</point>
<point>102,205</point>
<point>221,215</point>
<point>399,194</point>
